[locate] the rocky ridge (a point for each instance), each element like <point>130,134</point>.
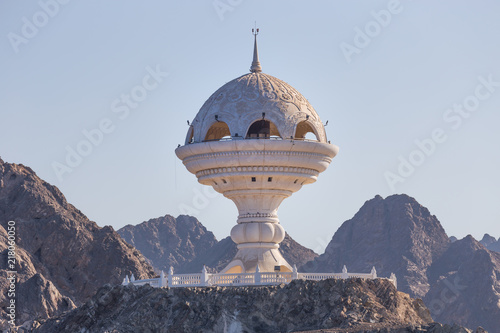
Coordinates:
<point>466,286</point>
<point>396,235</point>
<point>167,241</point>
<point>298,306</point>
<point>491,243</point>
<point>63,258</point>
<point>431,328</point>
<point>215,259</point>
<point>459,281</point>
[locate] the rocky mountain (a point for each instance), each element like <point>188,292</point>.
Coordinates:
<point>459,280</point>
<point>167,241</point>
<point>395,234</point>
<point>186,245</point>
<point>353,305</point>
<point>63,258</point>
<point>491,243</point>
<point>466,288</point>
<point>215,259</point>
<point>295,253</point>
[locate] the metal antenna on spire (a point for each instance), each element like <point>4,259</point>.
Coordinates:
<point>255,68</point>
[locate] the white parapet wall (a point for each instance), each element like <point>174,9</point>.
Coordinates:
<point>205,279</point>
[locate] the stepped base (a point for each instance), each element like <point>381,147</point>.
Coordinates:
<point>267,257</point>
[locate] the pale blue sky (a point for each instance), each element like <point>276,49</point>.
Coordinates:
<point>65,77</point>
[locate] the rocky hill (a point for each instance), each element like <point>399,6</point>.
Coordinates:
<point>491,243</point>
<point>63,258</point>
<point>167,241</point>
<point>295,253</point>
<point>298,306</point>
<point>214,259</point>
<point>186,245</point>
<point>395,234</point>
<point>458,280</point>
<point>466,286</point>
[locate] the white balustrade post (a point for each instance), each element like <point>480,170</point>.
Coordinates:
<point>373,273</point>
<point>394,280</point>
<point>161,282</point>
<point>132,278</point>
<point>295,274</point>
<point>204,276</point>
<point>258,277</point>
<point>170,276</point>
<point>126,281</point>
<point>344,272</point>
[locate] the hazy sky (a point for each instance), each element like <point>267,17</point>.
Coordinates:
<point>411,90</point>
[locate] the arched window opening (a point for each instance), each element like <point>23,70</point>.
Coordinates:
<point>311,136</point>
<point>234,270</point>
<point>263,129</point>
<point>305,131</point>
<point>217,131</point>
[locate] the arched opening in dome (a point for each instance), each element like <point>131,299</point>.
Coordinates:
<point>305,131</point>
<point>234,270</point>
<point>217,131</point>
<point>263,129</point>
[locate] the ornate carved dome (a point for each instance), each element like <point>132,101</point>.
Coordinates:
<point>234,107</point>
<point>256,105</point>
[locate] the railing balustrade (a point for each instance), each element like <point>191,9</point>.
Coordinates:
<point>258,278</point>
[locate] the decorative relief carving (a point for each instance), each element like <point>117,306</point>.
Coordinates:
<point>216,171</point>
<point>258,215</point>
<point>235,154</point>
<point>247,97</point>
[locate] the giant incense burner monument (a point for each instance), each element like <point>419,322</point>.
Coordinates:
<point>257,140</point>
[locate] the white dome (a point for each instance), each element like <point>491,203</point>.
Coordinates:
<point>234,107</point>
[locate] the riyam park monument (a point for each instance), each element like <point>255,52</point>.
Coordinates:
<point>248,142</point>
<point>256,140</point>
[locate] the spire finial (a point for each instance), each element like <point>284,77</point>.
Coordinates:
<point>255,68</point>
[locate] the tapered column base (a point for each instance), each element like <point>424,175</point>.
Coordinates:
<point>266,255</point>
